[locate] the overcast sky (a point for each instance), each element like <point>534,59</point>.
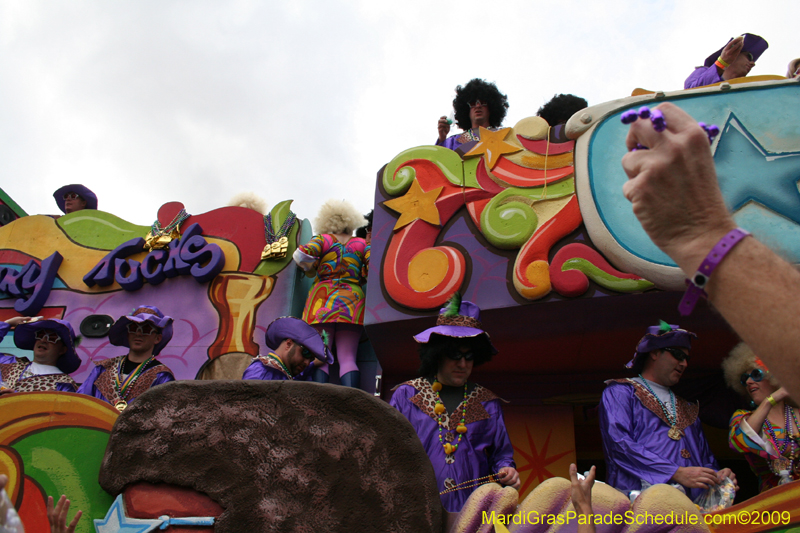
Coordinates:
<point>147,102</point>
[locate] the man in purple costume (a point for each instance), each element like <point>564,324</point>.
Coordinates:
<point>292,344</point>
<point>460,423</point>
<point>734,60</point>
<point>54,358</point>
<point>119,380</point>
<point>649,434</point>
<point>75,197</point>
<point>477,104</point>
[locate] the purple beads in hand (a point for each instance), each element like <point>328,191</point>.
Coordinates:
<point>644,112</point>
<point>658,120</point>
<point>712,131</point>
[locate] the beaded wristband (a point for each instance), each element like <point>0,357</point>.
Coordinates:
<point>696,285</point>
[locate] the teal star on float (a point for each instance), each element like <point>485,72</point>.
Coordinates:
<point>747,172</point>
<point>116,521</point>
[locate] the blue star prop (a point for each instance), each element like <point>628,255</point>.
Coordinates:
<point>747,172</point>
<point>116,521</point>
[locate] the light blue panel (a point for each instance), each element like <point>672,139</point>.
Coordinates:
<point>757,156</point>
<point>57,283</point>
<point>8,347</point>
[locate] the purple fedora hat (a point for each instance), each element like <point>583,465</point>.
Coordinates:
<point>25,339</point>
<point>118,334</point>
<point>754,44</point>
<point>80,190</point>
<point>662,336</point>
<point>289,327</point>
<point>459,319</point>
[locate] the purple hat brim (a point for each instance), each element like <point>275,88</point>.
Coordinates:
<point>459,332</point>
<point>755,44</point>
<point>83,192</point>
<point>118,334</point>
<point>289,327</point>
<point>679,338</point>
<point>25,339</point>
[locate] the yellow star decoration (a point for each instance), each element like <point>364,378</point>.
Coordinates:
<point>492,145</point>
<point>416,204</point>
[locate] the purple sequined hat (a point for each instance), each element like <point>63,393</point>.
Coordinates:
<point>118,334</point>
<point>463,325</point>
<point>289,327</point>
<point>25,339</point>
<point>752,43</point>
<point>662,336</point>
<point>80,190</point>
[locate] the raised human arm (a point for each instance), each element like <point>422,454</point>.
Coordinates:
<point>444,129</point>
<point>756,291</point>
<point>582,497</point>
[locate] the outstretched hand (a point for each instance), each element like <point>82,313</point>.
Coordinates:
<point>58,516</point>
<point>582,490</point>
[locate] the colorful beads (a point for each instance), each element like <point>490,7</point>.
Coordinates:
<point>712,131</point>
<point>441,413</point>
<point>436,386</point>
<point>461,428</point>
<point>660,123</point>
<point>439,408</point>
<point>449,448</point>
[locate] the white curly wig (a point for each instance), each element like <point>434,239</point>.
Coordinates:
<point>741,360</point>
<point>338,216</point>
<point>250,200</point>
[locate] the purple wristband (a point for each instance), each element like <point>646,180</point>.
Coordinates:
<point>697,284</point>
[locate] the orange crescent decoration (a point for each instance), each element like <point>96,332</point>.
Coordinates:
<point>543,146</point>
<point>511,174</point>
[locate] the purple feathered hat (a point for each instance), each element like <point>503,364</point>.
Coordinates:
<point>660,337</point>
<point>754,44</point>
<point>25,339</point>
<point>289,327</point>
<point>118,334</point>
<point>80,190</point>
<point>460,319</point>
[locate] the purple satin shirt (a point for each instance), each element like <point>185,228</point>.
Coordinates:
<point>702,76</point>
<point>483,450</point>
<point>451,142</point>
<point>637,447</point>
<point>89,389</point>
<point>258,370</point>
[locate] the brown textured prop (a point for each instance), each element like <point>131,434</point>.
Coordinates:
<point>279,456</point>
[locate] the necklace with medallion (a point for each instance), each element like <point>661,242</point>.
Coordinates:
<point>122,387</point>
<point>672,419</point>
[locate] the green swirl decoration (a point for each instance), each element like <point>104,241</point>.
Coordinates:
<point>510,219</point>
<point>396,182</point>
<point>604,279</point>
<point>279,214</point>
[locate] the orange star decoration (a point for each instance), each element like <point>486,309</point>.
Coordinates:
<point>492,145</point>
<point>416,204</point>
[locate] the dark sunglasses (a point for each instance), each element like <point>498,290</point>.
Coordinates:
<point>71,196</point>
<point>678,354</point>
<point>756,375</point>
<point>478,103</point>
<point>306,353</point>
<point>458,355</point>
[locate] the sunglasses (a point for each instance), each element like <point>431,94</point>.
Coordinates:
<point>47,336</point>
<point>142,329</point>
<point>678,354</point>
<point>71,196</point>
<point>306,352</point>
<point>478,103</point>
<point>458,355</point>
<point>756,375</point>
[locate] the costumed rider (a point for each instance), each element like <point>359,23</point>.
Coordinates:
<point>119,380</point>
<point>734,60</point>
<point>650,435</point>
<point>292,344</point>
<point>478,104</point>
<point>768,434</point>
<point>335,303</point>
<point>75,197</point>
<point>54,358</point>
<point>460,423</point>
<point>557,111</point>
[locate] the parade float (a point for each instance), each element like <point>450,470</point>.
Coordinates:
<point>535,232</point>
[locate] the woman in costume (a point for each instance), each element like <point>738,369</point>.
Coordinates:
<point>768,434</point>
<point>336,300</point>
<point>477,104</point>
<point>54,357</point>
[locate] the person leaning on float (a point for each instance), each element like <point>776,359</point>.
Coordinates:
<point>767,435</point>
<point>459,423</point>
<point>75,197</point>
<point>119,380</point>
<point>54,356</point>
<point>478,104</point>
<point>734,60</point>
<point>335,303</point>
<point>292,345</point>
<point>650,434</point>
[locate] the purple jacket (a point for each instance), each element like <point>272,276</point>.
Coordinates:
<point>702,76</point>
<point>267,369</point>
<point>635,438</point>
<point>484,449</point>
